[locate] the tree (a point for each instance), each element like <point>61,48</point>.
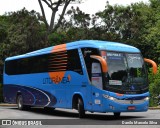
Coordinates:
<point>22,32</point>
<point>78,18</point>
<point>54,6</point>
<point>73,28</point>
<point>3,28</point>
<point>25,32</point>
<point>3,36</point>
<point>146,20</point>
<point>136,24</point>
<point>115,19</point>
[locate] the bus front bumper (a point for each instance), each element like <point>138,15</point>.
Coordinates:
<point>125,105</point>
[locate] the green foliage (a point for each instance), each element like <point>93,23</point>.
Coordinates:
<point>154,87</point>
<point>57,38</point>
<point>1,96</point>
<point>25,33</point>
<point>20,32</point>
<point>136,24</point>
<point>78,18</point>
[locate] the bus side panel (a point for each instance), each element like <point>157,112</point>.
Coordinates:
<point>39,90</point>
<point>11,91</point>
<point>9,95</point>
<point>31,96</point>
<point>32,93</point>
<point>48,89</point>
<point>79,85</point>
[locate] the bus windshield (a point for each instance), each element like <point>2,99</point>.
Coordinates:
<point>126,72</point>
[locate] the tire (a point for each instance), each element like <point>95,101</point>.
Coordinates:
<point>117,114</point>
<point>81,110</point>
<point>49,108</point>
<point>20,104</point>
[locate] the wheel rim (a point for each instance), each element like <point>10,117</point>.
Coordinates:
<point>19,102</point>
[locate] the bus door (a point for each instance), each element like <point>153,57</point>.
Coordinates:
<point>97,86</point>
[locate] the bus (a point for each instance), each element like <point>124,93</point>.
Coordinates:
<point>86,75</point>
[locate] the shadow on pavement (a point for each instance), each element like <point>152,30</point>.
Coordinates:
<point>88,116</point>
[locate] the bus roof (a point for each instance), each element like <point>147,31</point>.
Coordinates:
<point>102,45</point>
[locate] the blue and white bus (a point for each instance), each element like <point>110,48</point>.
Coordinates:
<point>87,75</point>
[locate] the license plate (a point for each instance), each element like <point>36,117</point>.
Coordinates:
<point>131,107</point>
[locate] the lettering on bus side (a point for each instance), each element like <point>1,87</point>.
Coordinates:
<point>56,80</point>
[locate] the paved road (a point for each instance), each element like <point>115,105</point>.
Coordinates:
<point>68,117</point>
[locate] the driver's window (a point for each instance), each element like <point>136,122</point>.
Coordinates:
<point>96,75</point>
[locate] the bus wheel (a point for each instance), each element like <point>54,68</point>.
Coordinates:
<point>81,108</point>
<point>20,102</point>
<point>117,114</point>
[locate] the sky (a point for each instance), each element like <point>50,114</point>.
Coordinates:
<point>89,6</point>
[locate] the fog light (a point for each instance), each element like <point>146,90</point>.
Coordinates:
<point>111,107</point>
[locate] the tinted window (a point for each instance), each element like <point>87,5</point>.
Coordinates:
<point>27,65</point>
<point>54,62</point>
<point>117,66</point>
<point>74,63</point>
<point>65,60</point>
<point>87,52</point>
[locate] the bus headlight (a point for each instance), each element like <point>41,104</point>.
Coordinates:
<point>146,99</point>
<point>109,97</point>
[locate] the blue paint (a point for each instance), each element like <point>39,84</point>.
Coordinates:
<point>36,92</point>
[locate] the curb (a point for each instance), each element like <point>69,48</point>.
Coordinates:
<point>7,105</point>
<point>154,108</point>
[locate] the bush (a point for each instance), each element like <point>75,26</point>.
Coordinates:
<point>1,94</point>
<point>154,87</point>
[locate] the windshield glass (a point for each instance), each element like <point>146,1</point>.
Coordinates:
<point>126,72</point>
<point>136,68</point>
<point>117,68</point>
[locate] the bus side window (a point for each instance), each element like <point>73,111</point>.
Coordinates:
<point>87,52</point>
<point>96,77</point>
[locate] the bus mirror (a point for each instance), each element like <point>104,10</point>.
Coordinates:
<point>102,62</point>
<point>154,65</point>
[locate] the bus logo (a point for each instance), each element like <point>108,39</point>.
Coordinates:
<point>57,79</point>
<point>131,101</point>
